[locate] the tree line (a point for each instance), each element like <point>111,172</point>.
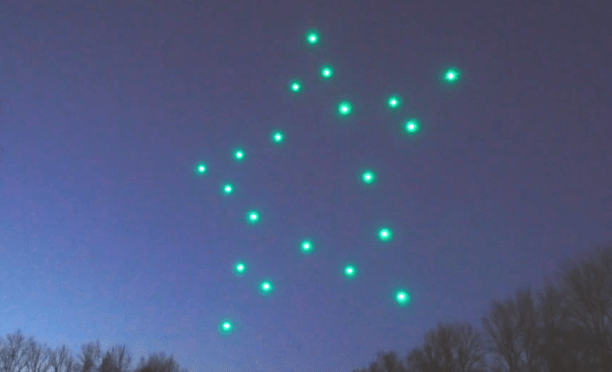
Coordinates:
<point>565,327</point>
<point>21,354</point>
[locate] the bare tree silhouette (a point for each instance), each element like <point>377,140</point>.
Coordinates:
<point>90,357</point>
<point>61,360</point>
<point>158,362</point>
<point>12,354</point>
<point>512,333</point>
<point>587,302</point>
<point>117,359</point>
<point>386,362</point>
<point>450,347</point>
<point>36,356</point>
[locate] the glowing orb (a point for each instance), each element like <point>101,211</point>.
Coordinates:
<point>277,137</point>
<point>402,298</point>
<point>345,108</point>
<point>312,37</point>
<point>295,86</point>
<point>327,71</point>
<point>200,168</point>
<point>253,217</point>
<point>385,234</point>
<point>239,154</point>
<point>451,75</point>
<point>412,126</point>
<point>239,268</point>
<point>368,177</point>
<point>266,287</point>
<point>350,271</point>
<point>306,246</point>
<point>227,189</point>
<point>394,102</point>
<point>226,327</point>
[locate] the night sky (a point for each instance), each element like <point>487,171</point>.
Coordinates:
<point>107,232</point>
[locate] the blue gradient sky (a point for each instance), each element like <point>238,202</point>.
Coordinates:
<point>106,233</point>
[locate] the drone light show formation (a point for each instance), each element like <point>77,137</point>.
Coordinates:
<point>305,245</point>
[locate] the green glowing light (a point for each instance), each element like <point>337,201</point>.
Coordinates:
<point>312,37</point>
<point>277,137</point>
<point>345,108</point>
<point>451,75</point>
<point>239,155</point>
<point>306,246</point>
<point>327,71</point>
<point>412,126</point>
<point>402,298</point>
<point>253,217</point>
<point>350,271</point>
<point>239,268</point>
<point>385,234</point>
<point>368,177</point>
<point>226,327</point>
<point>200,168</point>
<point>295,86</point>
<point>394,102</point>
<point>227,189</point>
<point>266,287</point>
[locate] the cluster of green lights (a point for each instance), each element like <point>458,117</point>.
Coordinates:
<point>344,108</point>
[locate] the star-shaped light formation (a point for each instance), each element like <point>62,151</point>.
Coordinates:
<point>327,71</point>
<point>344,108</point>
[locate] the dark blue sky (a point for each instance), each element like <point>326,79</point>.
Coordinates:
<point>105,231</point>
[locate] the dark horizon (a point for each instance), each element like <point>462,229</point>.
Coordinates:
<point>108,107</point>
